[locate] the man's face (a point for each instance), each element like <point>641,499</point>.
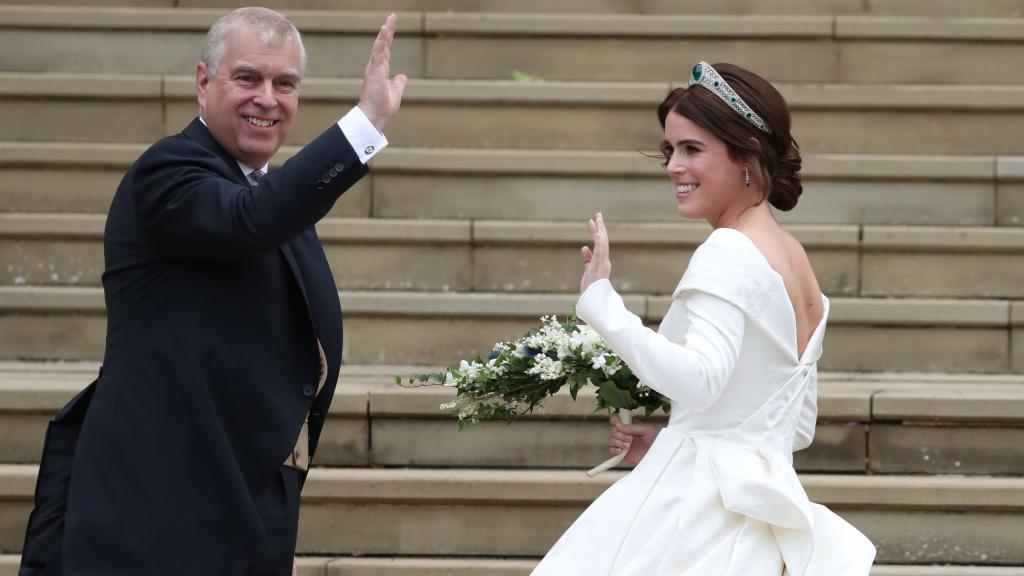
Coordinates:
<point>249,104</point>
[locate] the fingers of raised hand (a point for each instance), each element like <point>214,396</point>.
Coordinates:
<point>600,234</point>
<point>381,51</point>
<point>398,88</point>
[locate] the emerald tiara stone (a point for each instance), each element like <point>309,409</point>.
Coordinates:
<point>705,75</point>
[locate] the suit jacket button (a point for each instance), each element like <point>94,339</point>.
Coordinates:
<point>326,179</point>
<point>308,390</point>
<point>319,185</point>
<point>332,172</point>
<point>339,166</point>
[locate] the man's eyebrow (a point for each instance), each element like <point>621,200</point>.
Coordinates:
<point>244,68</point>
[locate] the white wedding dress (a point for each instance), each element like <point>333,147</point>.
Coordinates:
<point>716,495</point>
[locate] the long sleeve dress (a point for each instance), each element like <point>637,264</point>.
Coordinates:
<point>716,495</point>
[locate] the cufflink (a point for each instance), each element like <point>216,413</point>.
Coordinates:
<point>368,150</point>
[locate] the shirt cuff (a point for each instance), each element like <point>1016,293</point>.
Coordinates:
<point>364,137</point>
<point>594,300</point>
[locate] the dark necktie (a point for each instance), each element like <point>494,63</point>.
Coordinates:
<point>255,176</point>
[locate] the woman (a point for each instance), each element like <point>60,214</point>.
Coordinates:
<point>715,492</point>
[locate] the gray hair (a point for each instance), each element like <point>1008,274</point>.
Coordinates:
<point>273,27</point>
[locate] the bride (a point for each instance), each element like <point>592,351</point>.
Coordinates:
<point>715,492</point>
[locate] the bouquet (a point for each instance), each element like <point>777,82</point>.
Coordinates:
<point>519,375</point>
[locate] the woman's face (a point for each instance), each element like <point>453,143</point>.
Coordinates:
<point>708,182</point>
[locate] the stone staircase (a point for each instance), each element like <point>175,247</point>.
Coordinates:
<point>908,112</point>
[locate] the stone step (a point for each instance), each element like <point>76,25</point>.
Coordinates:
<point>929,8</point>
<point>567,115</point>
<point>542,256</point>
<point>879,423</point>
<point>809,48</point>
<point>865,334</point>
<point>444,512</point>
<point>452,566</point>
<point>439,183</point>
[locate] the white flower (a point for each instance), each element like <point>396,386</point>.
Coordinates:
<point>587,339</point>
<point>449,380</point>
<point>496,369</point>
<point>547,368</point>
<point>601,363</point>
<point>610,370</point>
<point>449,405</point>
<point>470,371</point>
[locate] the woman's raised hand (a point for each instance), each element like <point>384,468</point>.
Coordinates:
<point>597,265</point>
<point>636,438</point>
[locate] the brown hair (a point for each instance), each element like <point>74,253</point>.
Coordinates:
<point>777,154</point>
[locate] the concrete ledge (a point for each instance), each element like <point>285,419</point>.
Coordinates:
<point>798,96</point>
<point>917,312</point>
<point>952,402</point>
<point>805,96</point>
<point>888,96</point>
<point>619,25</point>
<point>189,19</point>
<point>554,162</point>
<point>890,492</point>
<point>434,566</point>
<point>83,226</point>
<point>908,311</point>
<point>946,9</point>
<point>72,85</point>
<point>943,239</point>
<point>615,25</point>
<point>868,238</point>
<point>467,304</point>
<point>1010,168</point>
<point>661,234</point>
<point>49,299</point>
<point>1017,314</point>
<point>43,387</point>
<point>468,90</point>
<point>44,393</point>
<point>56,154</point>
<point>962,29</point>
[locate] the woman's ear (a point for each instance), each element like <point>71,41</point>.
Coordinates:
<point>755,144</point>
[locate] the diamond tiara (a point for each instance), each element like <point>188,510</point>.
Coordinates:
<point>709,78</point>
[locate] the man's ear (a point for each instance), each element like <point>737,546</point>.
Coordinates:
<point>202,81</point>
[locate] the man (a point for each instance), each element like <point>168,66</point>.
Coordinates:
<point>224,330</point>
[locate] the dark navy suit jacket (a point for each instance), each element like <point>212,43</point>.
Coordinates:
<point>216,294</point>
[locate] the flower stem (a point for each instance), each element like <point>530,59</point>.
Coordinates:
<point>627,418</point>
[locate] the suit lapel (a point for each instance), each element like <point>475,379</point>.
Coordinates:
<point>198,132</point>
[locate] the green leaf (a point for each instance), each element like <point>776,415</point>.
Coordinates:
<point>520,76</point>
<point>614,396</point>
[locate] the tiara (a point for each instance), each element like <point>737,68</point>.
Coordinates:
<point>709,78</point>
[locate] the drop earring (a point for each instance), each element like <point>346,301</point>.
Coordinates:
<point>746,177</point>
